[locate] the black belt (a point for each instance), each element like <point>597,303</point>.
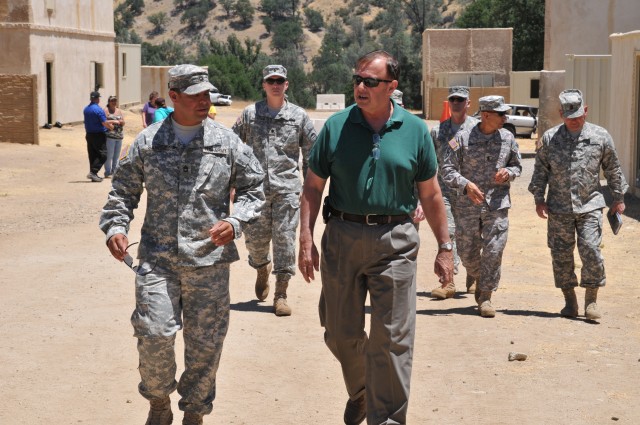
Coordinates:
<point>370,219</point>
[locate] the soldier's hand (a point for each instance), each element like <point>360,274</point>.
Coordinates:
<point>443,267</point>
<point>221,233</point>
<point>474,193</point>
<point>502,176</point>
<point>117,245</point>
<point>308,259</point>
<point>617,207</point>
<point>542,210</point>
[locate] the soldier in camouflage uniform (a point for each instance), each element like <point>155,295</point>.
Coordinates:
<point>187,164</point>
<point>441,134</point>
<point>569,163</point>
<point>480,163</point>
<point>277,131</point>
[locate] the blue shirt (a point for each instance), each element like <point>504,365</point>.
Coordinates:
<point>162,113</point>
<point>93,118</point>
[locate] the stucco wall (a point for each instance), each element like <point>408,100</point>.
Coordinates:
<point>17,118</point>
<point>456,50</point>
<point>625,89</point>
<point>551,84</point>
<point>582,27</point>
<point>154,78</point>
<point>128,84</point>
<point>520,89</point>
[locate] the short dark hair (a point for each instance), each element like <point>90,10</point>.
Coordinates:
<point>152,95</point>
<point>393,68</point>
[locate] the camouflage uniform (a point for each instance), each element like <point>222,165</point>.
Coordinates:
<point>187,192</point>
<point>277,142</point>
<point>570,166</point>
<point>481,230</point>
<point>441,134</point>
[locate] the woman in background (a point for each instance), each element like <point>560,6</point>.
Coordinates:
<point>114,137</point>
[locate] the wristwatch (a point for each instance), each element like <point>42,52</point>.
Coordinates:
<point>447,246</point>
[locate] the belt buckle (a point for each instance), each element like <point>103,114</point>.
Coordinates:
<point>366,220</point>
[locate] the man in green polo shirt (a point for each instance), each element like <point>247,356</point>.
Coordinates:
<point>375,154</point>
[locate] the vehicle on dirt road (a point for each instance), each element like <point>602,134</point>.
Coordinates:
<point>522,120</point>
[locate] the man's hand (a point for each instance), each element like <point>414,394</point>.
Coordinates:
<point>443,267</point>
<point>308,259</point>
<point>418,214</point>
<point>617,207</point>
<point>542,210</point>
<point>474,193</point>
<point>118,246</point>
<point>221,233</point>
<point>502,176</point>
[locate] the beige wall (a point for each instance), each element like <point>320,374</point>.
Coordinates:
<point>520,89</point>
<point>551,84</point>
<point>456,50</point>
<point>625,89</point>
<point>128,83</point>
<point>18,123</point>
<point>582,27</point>
<point>154,78</point>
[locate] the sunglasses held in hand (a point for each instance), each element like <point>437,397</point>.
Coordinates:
<point>139,269</point>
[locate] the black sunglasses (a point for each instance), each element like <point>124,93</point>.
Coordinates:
<point>500,114</point>
<point>272,81</point>
<point>139,269</point>
<point>369,82</point>
<point>457,99</point>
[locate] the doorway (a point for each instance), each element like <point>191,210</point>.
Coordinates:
<point>49,101</point>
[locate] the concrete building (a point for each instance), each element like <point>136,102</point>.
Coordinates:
<point>68,45</point>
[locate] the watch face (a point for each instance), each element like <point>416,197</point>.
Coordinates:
<point>447,246</point>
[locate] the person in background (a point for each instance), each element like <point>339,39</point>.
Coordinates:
<point>114,136</point>
<point>212,110</point>
<point>277,131</point>
<point>397,96</point>
<point>162,110</point>
<point>479,165</point>
<point>149,110</point>
<point>187,164</point>
<point>96,126</point>
<point>568,163</point>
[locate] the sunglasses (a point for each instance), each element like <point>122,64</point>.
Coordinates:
<point>457,99</point>
<point>139,270</point>
<point>368,82</point>
<point>272,81</point>
<point>375,152</point>
<point>500,114</point>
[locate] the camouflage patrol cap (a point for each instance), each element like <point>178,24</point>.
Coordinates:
<point>492,104</point>
<point>458,91</point>
<point>189,79</point>
<point>274,71</point>
<point>571,103</point>
<point>397,96</point>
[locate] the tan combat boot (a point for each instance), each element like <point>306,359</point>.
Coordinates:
<point>471,285</point>
<point>590,307</point>
<point>441,293</point>
<point>280,306</point>
<point>160,412</point>
<point>484,304</point>
<point>192,419</point>
<point>262,282</point>
<point>570,303</point>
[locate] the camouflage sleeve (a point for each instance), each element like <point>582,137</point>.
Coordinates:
<point>514,165</point>
<point>450,167</point>
<point>240,127</point>
<point>246,176</point>
<point>308,137</point>
<point>541,168</point>
<point>612,170</point>
<point>126,189</point>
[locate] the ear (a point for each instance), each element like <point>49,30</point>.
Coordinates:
<point>173,95</point>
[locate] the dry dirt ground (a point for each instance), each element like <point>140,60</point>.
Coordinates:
<point>67,355</point>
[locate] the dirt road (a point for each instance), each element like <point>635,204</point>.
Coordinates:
<point>67,355</point>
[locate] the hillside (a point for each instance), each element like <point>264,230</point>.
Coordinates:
<point>219,26</point>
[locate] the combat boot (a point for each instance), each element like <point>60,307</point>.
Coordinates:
<point>591,311</point>
<point>192,419</point>
<point>484,304</point>
<point>280,306</point>
<point>570,303</point>
<point>160,412</point>
<point>262,282</point>
<point>441,293</point>
<point>471,285</point>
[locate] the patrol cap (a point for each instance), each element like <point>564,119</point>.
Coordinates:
<point>189,79</point>
<point>94,94</point>
<point>458,91</point>
<point>397,96</point>
<point>274,71</point>
<point>571,103</point>
<point>492,104</point>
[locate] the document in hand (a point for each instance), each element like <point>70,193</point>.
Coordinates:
<point>615,220</point>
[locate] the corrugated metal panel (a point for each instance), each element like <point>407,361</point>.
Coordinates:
<point>592,75</point>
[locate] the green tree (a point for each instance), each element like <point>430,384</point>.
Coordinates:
<point>245,11</point>
<point>315,22</point>
<point>228,6</point>
<point>159,21</point>
<point>195,16</point>
<point>330,73</point>
<point>276,9</point>
<point>168,52</point>
<point>526,17</point>
<point>423,14</point>
<point>287,34</point>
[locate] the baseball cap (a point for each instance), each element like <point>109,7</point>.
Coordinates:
<point>397,96</point>
<point>571,103</point>
<point>492,104</point>
<point>189,79</point>
<point>274,71</point>
<point>94,94</point>
<point>458,91</point>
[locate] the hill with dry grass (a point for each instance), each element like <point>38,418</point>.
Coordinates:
<point>219,26</point>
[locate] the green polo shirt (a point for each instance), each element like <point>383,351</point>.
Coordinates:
<point>358,183</point>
